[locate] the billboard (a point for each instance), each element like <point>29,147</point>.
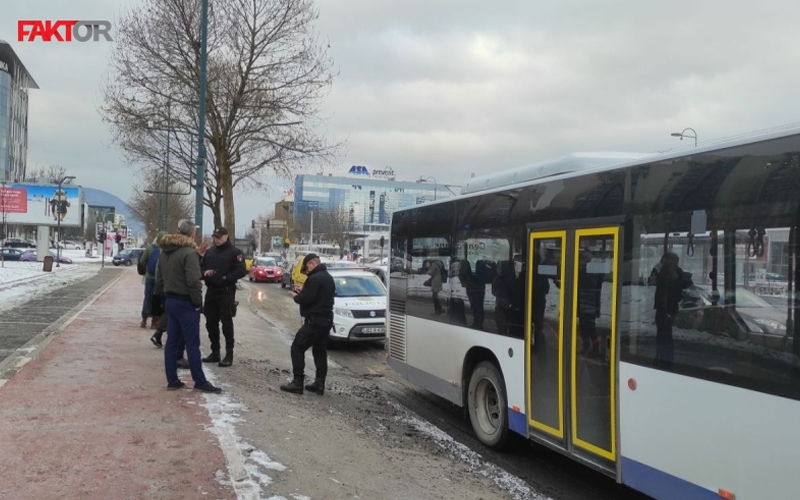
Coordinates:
<point>41,205</point>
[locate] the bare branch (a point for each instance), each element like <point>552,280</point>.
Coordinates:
<point>267,75</point>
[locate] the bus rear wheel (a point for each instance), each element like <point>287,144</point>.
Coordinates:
<point>487,404</point>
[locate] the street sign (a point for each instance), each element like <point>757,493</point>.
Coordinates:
<point>287,241</point>
<point>277,241</point>
<point>277,223</point>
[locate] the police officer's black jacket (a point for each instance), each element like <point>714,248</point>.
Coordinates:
<point>227,262</point>
<point>316,296</point>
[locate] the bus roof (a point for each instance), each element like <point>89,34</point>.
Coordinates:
<point>571,163</point>
<point>581,163</point>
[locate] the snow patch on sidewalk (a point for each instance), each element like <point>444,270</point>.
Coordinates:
<point>505,481</point>
<point>23,281</point>
<point>248,466</point>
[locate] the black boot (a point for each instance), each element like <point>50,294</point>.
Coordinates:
<point>228,360</point>
<point>212,358</point>
<point>295,386</point>
<point>318,387</point>
<point>156,338</point>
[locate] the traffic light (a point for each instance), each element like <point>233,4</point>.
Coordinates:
<point>101,237</point>
<point>267,224</point>
<point>253,224</point>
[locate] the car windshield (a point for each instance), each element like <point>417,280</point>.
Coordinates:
<point>358,286</point>
<point>265,263</point>
<point>744,298</point>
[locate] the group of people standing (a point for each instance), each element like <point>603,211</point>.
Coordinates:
<point>174,270</point>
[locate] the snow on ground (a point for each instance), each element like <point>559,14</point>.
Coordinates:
<point>22,281</point>
<point>504,480</point>
<point>247,465</point>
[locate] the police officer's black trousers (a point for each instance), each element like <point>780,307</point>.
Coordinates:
<point>313,334</point>
<point>217,309</point>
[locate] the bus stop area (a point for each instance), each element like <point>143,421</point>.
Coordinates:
<point>87,414</point>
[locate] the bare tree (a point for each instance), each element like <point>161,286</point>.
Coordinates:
<point>334,224</point>
<point>47,175</point>
<point>148,208</point>
<point>267,75</point>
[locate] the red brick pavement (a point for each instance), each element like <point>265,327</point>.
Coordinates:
<point>90,417</point>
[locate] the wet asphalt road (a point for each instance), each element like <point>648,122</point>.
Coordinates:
<point>544,470</point>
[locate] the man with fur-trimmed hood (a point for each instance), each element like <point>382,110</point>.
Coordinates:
<point>181,281</point>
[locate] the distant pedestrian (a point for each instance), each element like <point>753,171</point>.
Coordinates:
<point>148,260</point>
<point>223,265</point>
<point>316,307</point>
<point>183,288</point>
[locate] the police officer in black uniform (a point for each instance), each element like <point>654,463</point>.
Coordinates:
<point>316,307</point>
<point>222,265</point>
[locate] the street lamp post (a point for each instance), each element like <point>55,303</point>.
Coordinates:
<point>201,126</point>
<point>435,184</point>
<point>683,134</point>
<point>58,221</point>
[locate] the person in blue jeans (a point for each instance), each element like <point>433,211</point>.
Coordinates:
<point>181,280</point>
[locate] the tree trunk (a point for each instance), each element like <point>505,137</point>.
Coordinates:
<point>226,182</point>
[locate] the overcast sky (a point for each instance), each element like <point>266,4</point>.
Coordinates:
<point>448,88</point>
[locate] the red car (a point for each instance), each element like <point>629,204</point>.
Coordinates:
<point>265,269</point>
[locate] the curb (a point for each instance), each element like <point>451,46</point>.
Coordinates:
<point>26,353</point>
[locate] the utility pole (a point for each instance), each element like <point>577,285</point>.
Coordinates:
<point>58,218</point>
<point>201,127</point>
<point>311,238</point>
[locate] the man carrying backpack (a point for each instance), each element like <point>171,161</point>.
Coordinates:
<point>149,260</point>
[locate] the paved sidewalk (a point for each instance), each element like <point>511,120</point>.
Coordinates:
<point>90,416</point>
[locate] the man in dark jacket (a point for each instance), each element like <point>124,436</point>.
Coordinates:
<point>223,265</point>
<point>182,285</point>
<point>316,308</point>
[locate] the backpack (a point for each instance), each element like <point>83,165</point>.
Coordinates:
<point>141,267</point>
<point>443,274</point>
<point>152,261</point>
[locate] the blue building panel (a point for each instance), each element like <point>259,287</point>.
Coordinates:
<point>367,199</point>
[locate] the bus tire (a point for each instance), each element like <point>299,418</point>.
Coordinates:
<point>488,405</point>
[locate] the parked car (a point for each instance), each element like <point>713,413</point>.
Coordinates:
<point>30,256</point>
<point>761,323</point>
<point>11,254</point>
<point>128,258</point>
<point>123,259</point>
<point>70,245</point>
<point>265,269</point>
<point>359,312</point>
<point>19,243</point>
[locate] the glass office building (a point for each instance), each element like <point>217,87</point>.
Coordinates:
<point>14,84</point>
<point>368,198</point>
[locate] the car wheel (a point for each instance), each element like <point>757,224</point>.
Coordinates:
<point>116,263</point>
<point>250,278</point>
<point>283,284</point>
<point>128,263</point>
<point>488,405</point>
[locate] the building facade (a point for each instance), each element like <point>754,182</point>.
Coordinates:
<point>14,84</point>
<point>368,198</point>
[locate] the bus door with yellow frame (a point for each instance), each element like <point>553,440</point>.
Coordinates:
<point>572,278</point>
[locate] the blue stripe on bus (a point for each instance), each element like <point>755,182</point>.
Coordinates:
<point>517,422</point>
<point>661,485</point>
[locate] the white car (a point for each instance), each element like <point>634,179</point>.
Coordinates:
<point>70,245</point>
<point>359,312</point>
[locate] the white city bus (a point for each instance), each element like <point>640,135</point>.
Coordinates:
<point>555,317</point>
